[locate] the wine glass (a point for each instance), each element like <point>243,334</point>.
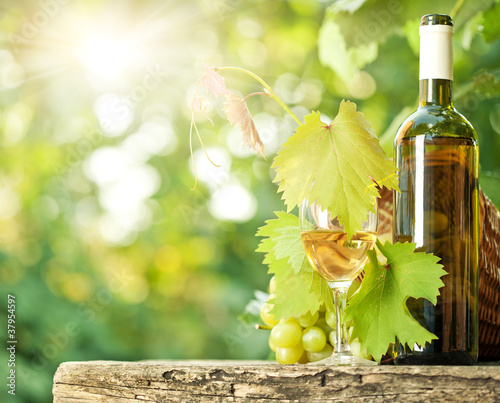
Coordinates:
<point>338,260</point>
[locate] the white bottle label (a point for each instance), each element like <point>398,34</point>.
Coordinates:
<point>436,52</point>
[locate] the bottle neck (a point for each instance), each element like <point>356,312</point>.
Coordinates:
<point>436,92</point>
<point>436,65</point>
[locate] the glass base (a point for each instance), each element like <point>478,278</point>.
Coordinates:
<point>345,359</point>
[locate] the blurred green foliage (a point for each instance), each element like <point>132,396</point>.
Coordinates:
<point>109,253</point>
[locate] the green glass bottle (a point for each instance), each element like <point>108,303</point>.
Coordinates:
<point>436,152</point>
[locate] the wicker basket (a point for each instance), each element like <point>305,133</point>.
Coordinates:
<point>489,270</point>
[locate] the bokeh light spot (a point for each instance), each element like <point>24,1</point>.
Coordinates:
<point>250,28</point>
<point>168,259</point>
<point>77,287</point>
<point>362,85</point>
<point>232,202</point>
<point>106,56</point>
<point>10,203</point>
<point>205,250</point>
<point>114,113</point>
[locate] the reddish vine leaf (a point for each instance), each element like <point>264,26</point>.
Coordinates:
<point>238,115</point>
<point>200,105</point>
<point>335,164</point>
<point>213,82</point>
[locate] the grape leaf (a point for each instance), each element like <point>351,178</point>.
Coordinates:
<point>361,23</point>
<point>485,85</point>
<point>299,289</point>
<point>379,311</point>
<point>468,11</point>
<point>411,32</point>
<point>345,61</point>
<point>364,22</point>
<point>293,296</point>
<point>335,164</point>
<point>288,244</point>
<point>491,27</point>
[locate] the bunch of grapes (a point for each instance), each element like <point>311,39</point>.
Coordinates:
<point>308,338</point>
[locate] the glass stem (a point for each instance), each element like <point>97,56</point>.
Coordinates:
<point>340,299</point>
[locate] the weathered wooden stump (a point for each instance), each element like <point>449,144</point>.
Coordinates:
<point>263,381</point>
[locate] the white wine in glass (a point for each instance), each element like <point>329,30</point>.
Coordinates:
<point>338,259</point>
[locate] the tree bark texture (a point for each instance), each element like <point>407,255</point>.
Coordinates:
<point>264,381</point>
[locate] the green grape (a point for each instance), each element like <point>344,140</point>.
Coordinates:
<point>331,319</point>
<point>331,338</point>
<point>266,316</point>
<point>308,319</point>
<point>289,355</point>
<point>272,285</point>
<point>271,345</point>
<point>287,333</point>
<point>325,353</point>
<point>303,359</point>
<point>313,339</point>
<point>321,323</point>
<point>355,346</point>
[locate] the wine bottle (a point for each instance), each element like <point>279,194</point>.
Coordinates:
<point>436,152</point>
